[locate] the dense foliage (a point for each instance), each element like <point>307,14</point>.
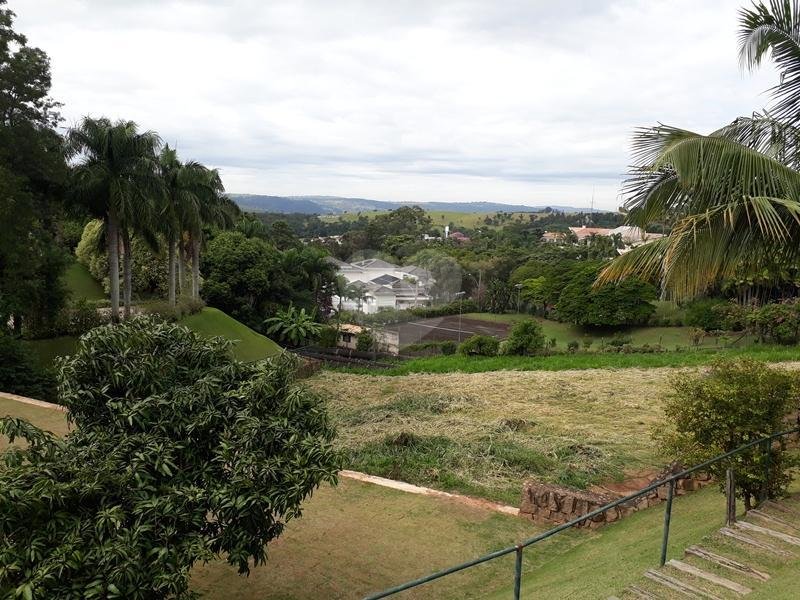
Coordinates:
<point>250,279</point>
<point>626,303</point>
<point>734,403</point>
<point>21,374</point>
<point>148,267</point>
<point>777,322</point>
<point>708,314</point>
<point>179,454</point>
<point>33,174</point>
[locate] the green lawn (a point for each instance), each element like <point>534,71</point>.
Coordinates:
<point>250,345</point>
<point>580,361</point>
<point>667,337</point>
<point>47,350</point>
<point>81,284</point>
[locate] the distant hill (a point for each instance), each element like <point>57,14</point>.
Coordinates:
<point>335,205</point>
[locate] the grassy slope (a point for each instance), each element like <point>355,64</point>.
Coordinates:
<point>209,322</point>
<point>81,284</point>
<point>250,345</point>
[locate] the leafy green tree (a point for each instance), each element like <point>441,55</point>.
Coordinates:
<point>21,374</point>
<point>32,176</point>
<point>406,220</point>
<point>179,454</point>
<point>499,296</point>
<point>735,403</point>
<point>115,179</point>
<point>293,326</point>
<point>626,303</point>
<point>250,279</point>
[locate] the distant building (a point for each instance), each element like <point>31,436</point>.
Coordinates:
<point>631,236</point>
<point>459,237</point>
<point>554,237</point>
<point>381,285</point>
<point>386,340</point>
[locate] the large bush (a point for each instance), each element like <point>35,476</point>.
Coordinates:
<point>479,345</point>
<point>626,303</point>
<point>734,403</point>
<point>777,322</point>
<point>525,338</point>
<point>707,314</point>
<point>21,374</point>
<point>180,454</point>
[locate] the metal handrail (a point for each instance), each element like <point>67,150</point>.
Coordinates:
<point>518,548</point>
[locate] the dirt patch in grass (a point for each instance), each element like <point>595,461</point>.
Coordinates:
<point>484,433</point>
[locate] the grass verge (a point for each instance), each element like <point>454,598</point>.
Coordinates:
<point>580,361</point>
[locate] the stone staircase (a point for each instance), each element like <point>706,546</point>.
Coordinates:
<point>732,562</point>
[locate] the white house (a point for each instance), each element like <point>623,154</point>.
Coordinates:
<point>383,285</point>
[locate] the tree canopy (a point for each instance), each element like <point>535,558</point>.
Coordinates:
<point>180,453</point>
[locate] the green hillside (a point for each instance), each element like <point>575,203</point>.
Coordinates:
<point>250,345</point>
<point>208,323</point>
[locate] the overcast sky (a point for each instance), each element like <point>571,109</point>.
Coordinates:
<point>499,100</point>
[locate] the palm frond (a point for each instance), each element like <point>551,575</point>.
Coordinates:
<point>774,28</point>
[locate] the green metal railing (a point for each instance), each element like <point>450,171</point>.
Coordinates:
<point>670,482</point>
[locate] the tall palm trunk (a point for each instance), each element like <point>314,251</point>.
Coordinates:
<point>195,267</point>
<point>179,254</point>
<point>126,272</point>
<point>113,263</point>
<point>171,269</point>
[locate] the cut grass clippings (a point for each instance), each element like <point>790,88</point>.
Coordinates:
<point>484,434</point>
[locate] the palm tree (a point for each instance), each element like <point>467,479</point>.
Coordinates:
<point>214,209</point>
<point>183,185</point>
<point>733,195</point>
<point>114,178</point>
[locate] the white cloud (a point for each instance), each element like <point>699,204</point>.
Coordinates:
<point>528,102</point>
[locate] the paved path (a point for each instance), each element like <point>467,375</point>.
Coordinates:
<point>25,400</point>
<point>415,489</point>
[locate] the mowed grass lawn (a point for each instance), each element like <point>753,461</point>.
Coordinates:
<point>250,345</point>
<point>667,337</point>
<point>81,284</point>
<point>483,434</point>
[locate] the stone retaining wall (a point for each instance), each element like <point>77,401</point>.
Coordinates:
<point>555,504</point>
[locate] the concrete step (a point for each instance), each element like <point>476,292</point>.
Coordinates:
<point>727,563</point>
<point>722,582</point>
<point>751,541</point>
<point>778,535</point>
<point>677,585</point>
